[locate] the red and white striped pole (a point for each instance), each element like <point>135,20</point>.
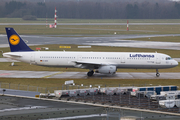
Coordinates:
<point>127,25</point>
<point>55,21</point>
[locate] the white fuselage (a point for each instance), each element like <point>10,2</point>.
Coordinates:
<point>118,59</point>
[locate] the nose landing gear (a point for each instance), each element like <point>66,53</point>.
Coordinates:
<point>157,73</point>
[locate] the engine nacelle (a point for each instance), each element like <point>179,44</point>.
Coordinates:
<point>106,70</point>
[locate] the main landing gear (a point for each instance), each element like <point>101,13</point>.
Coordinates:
<point>157,73</point>
<point>90,73</point>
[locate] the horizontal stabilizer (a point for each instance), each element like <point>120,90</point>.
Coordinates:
<point>11,54</point>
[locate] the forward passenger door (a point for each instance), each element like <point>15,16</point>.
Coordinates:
<point>158,59</point>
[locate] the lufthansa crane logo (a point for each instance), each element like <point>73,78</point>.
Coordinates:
<point>14,39</point>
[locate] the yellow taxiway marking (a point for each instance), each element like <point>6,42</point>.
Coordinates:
<point>48,76</point>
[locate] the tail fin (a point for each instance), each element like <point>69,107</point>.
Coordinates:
<point>15,42</point>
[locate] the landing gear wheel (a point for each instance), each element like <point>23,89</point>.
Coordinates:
<point>90,73</point>
<point>157,73</point>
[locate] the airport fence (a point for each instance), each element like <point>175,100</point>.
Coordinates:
<point>63,87</point>
<point>22,87</point>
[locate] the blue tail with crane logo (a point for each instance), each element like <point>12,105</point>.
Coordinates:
<point>15,42</point>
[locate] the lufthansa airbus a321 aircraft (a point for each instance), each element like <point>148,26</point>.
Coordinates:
<point>99,62</point>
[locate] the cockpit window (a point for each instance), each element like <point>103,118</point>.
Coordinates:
<point>168,58</point>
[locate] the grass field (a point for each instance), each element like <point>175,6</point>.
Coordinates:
<point>108,82</point>
<point>92,29</point>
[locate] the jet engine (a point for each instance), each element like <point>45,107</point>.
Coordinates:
<point>106,70</point>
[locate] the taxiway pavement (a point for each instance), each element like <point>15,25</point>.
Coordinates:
<point>83,75</point>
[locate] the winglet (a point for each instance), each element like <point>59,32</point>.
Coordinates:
<point>15,42</point>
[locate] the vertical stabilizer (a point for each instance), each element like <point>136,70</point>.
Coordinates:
<point>15,42</point>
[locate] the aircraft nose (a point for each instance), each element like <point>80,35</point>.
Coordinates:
<point>175,63</point>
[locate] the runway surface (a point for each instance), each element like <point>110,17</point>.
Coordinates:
<point>106,40</point>
<point>83,75</point>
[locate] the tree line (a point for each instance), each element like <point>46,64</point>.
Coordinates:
<point>92,10</point>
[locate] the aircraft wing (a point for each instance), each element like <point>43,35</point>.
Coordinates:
<point>89,64</point>
<point>93,63</point>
